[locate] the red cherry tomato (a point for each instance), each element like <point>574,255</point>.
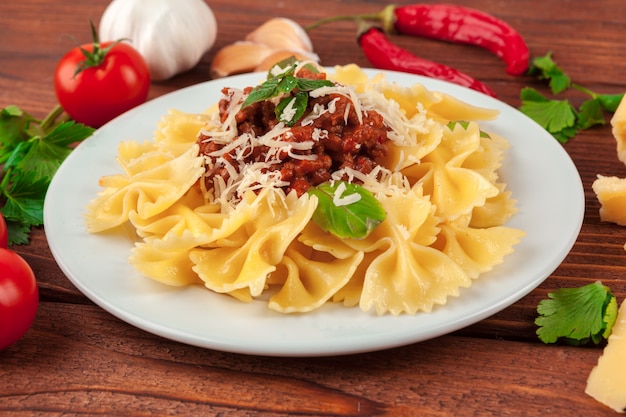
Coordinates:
<point>4,233</point>
<point>117,80</point>
<point>19,297</point>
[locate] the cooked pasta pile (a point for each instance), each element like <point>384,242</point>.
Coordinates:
<point>438,183</point>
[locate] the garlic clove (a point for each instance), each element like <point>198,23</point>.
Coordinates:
<point>238,57</point>
<point>282,54</point>
<point>281,33</point>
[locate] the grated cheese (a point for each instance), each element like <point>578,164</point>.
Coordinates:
<point>344,200</point>
<point>289,111</point>
<point>278,144</point>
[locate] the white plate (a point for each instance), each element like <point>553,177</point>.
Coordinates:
<point>539,172</point>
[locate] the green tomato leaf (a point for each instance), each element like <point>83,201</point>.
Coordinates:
<point>577,315</point>
<point>346,210</point>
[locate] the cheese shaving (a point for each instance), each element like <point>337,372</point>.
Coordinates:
<point>344,200</point>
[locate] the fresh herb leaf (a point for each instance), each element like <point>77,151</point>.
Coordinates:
<point>262,92</point>
<point>465,124</point>
<point>560,117</point>
<point>13,124</point>
<point>610,102</point>
<point>305,84</point>
<point>545,68</point>
<point>31,151</point>
<point>24,194</point>
<point>346,210</point>
<point>19,233</point>
<point>291,108</point>
<point>590,114</point>
<point>285,83</point>
<point>556,116</point>
<point>577,315</point>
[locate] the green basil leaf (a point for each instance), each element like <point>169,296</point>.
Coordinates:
<point>262,92</point>
<point>295,106</point>
<point>289,62</point>
<point>355,220</point>
<point>305,84</point>
<point>287,84</point>
<point>464,124</point>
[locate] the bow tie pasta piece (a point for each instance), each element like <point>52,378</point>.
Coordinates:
<point>309,283</point>
<point>407,275</point>
<point>496,211</point>
<point>487,158</point>
<point>166,266</point>
<point>442,107</point>
<point>189,213</point>
<point>177,130</point>
<point>477,251</point>
<point>407,278</point>
<point>147,193</point>
<point>135,157</point>
<point>227,269</point>
<point>454,189</point>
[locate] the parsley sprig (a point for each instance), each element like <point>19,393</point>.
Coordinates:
<point>559,116</point>
<point>31,151</point>
<point>577,315</point>
<point>283,82</point>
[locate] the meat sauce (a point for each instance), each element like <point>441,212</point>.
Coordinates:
<point>344,142</point>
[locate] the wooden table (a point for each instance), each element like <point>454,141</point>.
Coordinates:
<point>79,360</point>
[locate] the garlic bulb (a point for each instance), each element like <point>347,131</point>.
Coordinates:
<point>171,35</point>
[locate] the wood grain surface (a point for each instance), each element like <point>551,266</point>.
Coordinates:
<point>78,360</point>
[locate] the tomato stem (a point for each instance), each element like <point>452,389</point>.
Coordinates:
<point>96,56</point>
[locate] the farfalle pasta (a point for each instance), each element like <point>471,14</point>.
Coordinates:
<point>217,202</point>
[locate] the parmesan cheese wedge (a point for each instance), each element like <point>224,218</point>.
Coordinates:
<point>611,193</point>
<point>618,121</point>
<point>607,380</point>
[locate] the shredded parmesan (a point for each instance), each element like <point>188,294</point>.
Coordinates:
<point>289,111</point>
<point>344,200</point>
<point>243,175</point>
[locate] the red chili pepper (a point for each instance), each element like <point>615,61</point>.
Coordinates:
<point>453,24</point>
<point>384,54</point>
<point>464,25</point>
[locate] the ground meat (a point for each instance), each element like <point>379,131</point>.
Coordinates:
<point>344,142</point>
